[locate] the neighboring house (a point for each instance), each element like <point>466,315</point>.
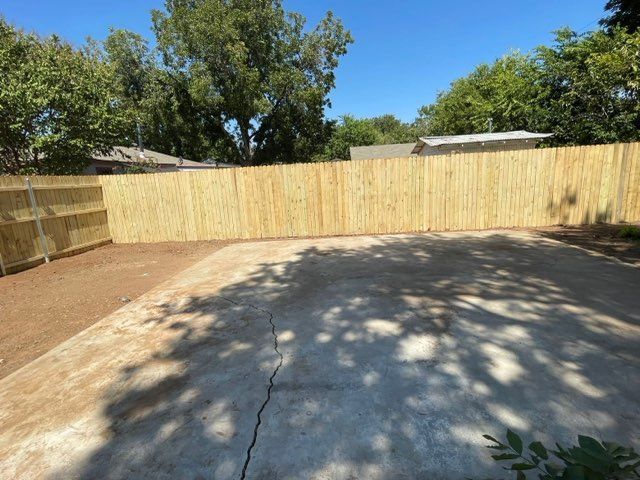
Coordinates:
<point>122,157</point>
<point>445,145</point>
<point>382,151</point>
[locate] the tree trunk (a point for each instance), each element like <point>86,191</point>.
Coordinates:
<point>246,150</point>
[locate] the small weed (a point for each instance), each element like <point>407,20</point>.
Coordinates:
<point>589,460</point>
<point>631,232</point>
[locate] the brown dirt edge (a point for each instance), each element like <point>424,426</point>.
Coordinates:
<point>600,238</point>
<point>44,306</point>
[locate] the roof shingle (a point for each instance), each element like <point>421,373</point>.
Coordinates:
<point>381,151</point>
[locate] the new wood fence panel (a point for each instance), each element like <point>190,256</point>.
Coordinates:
<point>460,192</point>
<point>71,211</point>
<point>631,208</point>
<point>567,185</point>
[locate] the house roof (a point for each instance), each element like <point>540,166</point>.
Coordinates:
<point>381,151</point>
<point>479,138</point>
<point>408,149</point>
<point>217,164</point>
<point>132,154</point>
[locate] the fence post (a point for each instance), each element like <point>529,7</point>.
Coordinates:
<point>36,217</point>
<point>3,271</point>
<point>621,183</point>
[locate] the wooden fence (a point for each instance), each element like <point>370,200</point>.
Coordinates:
<point>69,216</point>
<point>570,185</point>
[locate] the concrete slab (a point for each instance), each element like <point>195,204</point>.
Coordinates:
<point>398,353</point>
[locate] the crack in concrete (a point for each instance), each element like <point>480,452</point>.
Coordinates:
<point>271,378</point>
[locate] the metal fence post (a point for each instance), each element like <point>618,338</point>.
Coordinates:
<point>36,217</point>
<point>3,270</point>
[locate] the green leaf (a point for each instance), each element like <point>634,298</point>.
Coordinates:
<point>590,444</point>
<point>521,475</point>
<point>522,466</point>
<point>505,456</point>
<point>514,441</point>
<point>612,446</point>
<point>539,450</point>
<point>553,468</point>
<point>489,437</point>
<point>561,452</point>
<point>583,457</point>
<point>497,447</point>
<point>574,472</point>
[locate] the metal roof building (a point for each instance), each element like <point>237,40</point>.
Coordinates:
<point>448,144</point>
<point>515,140</point>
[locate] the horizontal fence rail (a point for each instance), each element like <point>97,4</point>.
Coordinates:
<point>60,216</point>
<point>528,188</point>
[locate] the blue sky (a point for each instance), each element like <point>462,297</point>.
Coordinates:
<point>405,51</point>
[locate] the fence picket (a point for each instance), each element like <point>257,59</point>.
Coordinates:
<point>459,192</point>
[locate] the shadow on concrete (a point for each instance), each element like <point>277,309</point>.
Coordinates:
<point>398,355</point>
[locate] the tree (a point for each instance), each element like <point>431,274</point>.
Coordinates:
<point>57,105</point>
<point>159,100</point>
<point>592,87</point>
<point>393,130</point>
<point>507,91</point>
<point>260,79</point>
<point>583,88</point>
<point>351,132</point>
<point>133,65</point>
<point>623,13</point>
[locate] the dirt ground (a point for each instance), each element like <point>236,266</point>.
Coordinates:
<point>46,305</point>
<point>597,238</point>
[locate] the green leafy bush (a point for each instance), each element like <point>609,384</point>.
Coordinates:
<point>631,232</point>
<point>590,460</point>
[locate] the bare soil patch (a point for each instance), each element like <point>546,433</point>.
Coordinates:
<point>602,239</point>
<point>44,306</point>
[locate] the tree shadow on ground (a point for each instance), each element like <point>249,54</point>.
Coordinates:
<point>399,353</point>
<point>600,238</point>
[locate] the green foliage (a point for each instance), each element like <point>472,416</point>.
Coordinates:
<point>139,165</point>
<point>159,99</point>
<point>631,232</point>
<point>393,130</point>
<point>245,81</point>
<point>589,460</point>
<point>353,132</point>
<point>57,105</point>
<point>623,13</point>
<point>508,91</point>
<point>593,87</point>
<point>129,55</point>
<point>584,88</point>
<point>259,81</point>
<point>350,132</point>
